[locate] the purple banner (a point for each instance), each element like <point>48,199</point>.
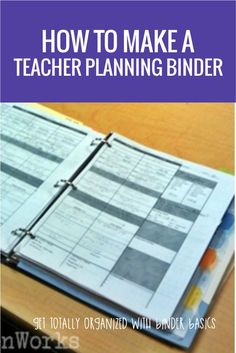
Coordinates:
<point>68,51</point>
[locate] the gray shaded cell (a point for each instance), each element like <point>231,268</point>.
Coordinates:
<point>32,149</point>
<point>161,235</point>
<point>125,182</point>
<point>140,268</point>
<point>18,174</point>
<point>105,207</point>
<point>196,179</point>
<point>177,209</point>
<point>117,179</point>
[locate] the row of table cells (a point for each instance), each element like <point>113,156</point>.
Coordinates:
<point>44,135</point>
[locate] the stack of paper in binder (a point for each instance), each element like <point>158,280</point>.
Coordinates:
<point>134,232</point>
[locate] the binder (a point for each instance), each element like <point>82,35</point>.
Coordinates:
<point>199,284</point>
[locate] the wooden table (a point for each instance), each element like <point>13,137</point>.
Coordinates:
<point>202,133</point>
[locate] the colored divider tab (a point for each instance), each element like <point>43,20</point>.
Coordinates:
<point>227,221</point>
<point>193,297</point>
<point>208,260</point>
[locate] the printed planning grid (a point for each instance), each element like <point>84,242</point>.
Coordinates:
<point>32,146</point>
<point>125,222</point>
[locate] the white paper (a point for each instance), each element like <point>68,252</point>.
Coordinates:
<point>135,228</point>
<point>37,150</point>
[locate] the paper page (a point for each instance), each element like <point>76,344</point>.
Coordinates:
<point>37,149</point>
<point>135,228</point>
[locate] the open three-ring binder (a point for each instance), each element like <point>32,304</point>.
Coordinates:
<point>134,232</point>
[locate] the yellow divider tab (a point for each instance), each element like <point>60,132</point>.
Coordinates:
<point>193,297</point>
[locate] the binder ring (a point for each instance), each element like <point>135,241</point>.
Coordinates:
<point>12,260</point>
<point>64,182</point>
<point>22,231</point>
<point>98,139</point>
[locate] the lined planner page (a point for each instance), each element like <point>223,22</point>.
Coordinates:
<point>134,228</point>
<point>34,145</point>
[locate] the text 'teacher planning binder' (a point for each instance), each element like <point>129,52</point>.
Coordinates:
<point>113,220</point>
